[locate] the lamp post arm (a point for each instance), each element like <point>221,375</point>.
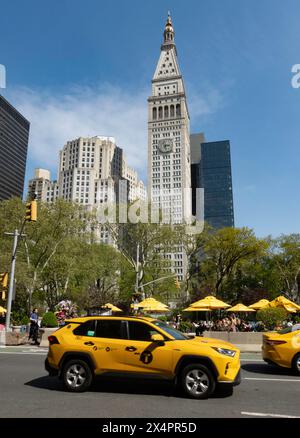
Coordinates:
<point>154,281</point>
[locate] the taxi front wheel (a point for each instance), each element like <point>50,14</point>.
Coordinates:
<point>197,381</point>
<point>296,364</point>
<point>77,375</point>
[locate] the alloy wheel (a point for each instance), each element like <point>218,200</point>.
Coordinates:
<point>75,376</point>
<point>298,364</point>
<point>197,382</point>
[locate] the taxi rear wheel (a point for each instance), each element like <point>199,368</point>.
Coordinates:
<point>77,375</point>
<point>296,364</point>
<point>197,381</point>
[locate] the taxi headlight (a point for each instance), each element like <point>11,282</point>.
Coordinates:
<point>225,351</point>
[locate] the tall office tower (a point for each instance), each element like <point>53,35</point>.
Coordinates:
<point>41,187</point>
<point>14,133</point>
<point>211,170</point>
<point>169,167</point>
<point>89,170</point>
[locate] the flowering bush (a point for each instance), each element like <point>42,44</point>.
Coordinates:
<point>66,309</point>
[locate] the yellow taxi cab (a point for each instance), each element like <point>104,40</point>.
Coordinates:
<point>283,348</point>
<point>85,348</point>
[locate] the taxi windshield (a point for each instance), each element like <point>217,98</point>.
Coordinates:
<point>170,330</point>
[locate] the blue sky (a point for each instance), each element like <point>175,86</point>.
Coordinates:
<point>84,68</point>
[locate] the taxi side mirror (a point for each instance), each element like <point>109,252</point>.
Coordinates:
<point>158,338</point>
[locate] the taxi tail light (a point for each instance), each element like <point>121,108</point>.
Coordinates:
<point>52,340</point>
<point>275,342</point>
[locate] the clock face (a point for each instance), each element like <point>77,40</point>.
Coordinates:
<point>165,145</point>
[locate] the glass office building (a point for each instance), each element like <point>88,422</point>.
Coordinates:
<point>14,133</point>
<point>212,171</point>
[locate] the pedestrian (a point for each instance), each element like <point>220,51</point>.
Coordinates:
<point>178,321</point>
<point>34,326</point>
<point>200,329</point>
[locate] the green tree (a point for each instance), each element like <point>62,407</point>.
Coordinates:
<point>225,250</point>
<point>285,254</point>
<point>144,247</point>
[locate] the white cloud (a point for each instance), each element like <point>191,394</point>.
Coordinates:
<point>89,111</point>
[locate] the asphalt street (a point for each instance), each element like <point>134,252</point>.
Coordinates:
<point>26,391</point>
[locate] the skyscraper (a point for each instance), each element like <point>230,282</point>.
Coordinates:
<point>211,170</point>
<point>89,170</point>
<point>14,133</point>
<point>169,167</point>
<point>168,133</point>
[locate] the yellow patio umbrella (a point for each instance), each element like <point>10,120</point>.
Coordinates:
<point>284,302</point>
<point>196,309</point>
<point>240,308</point>
<point>112,307</point>
<point>151,302</point>
<point>152,305</point>
<point>2,310</point>
<point>155,309</point>
<point>211,303</point>
<point>259,304</point>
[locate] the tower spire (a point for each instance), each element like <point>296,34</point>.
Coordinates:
<point>169,31</point>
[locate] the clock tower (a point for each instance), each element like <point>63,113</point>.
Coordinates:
<point>169,167</point>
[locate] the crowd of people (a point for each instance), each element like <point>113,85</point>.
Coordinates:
<point>230,323</point>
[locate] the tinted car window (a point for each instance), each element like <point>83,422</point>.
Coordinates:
<point>109,329</point>
<point>138,331</point>
<point>173,332</point>
<point>86,329</point>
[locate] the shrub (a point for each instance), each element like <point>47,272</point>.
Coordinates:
<point>185,326</point>
<point>17,317</point>
<point>25,320</point>
<point>163,318</point>
<point>271,317</point>
<point>49,320</point>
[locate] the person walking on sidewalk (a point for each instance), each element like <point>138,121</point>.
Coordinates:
<point>34,326</point>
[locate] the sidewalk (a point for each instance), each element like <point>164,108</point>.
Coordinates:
<point>23,349</point>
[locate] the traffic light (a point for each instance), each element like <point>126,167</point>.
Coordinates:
<point>31,211</point>
<point>177,284</point>
<point>3,283</point>
<point>4,279</point>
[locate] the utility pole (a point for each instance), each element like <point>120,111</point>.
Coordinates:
<point>137,268</point>
<point>11,278</point>
<point>30,216</point>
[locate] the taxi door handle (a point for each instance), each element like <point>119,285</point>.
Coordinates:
<point>89,343</point>
<point>130,348</point>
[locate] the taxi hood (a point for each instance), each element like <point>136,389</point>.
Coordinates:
<point>210,342</point>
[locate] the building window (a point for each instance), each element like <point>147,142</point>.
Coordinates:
<point>154,113</point>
